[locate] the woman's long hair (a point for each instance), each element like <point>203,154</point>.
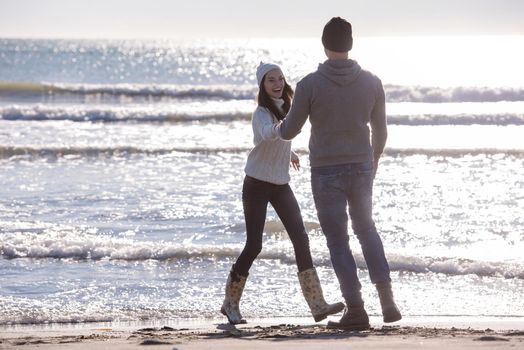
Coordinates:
<point>264,100</point>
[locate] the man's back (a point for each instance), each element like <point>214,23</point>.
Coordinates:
<point>341,100</point>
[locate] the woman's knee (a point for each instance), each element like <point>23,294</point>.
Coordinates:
<point>252,249</point>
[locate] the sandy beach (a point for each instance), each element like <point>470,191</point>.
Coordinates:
<point>412,333</point>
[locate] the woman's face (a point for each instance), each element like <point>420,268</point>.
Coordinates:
<point>274,83</point>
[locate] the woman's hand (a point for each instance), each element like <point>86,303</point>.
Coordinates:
<point>295,162</point>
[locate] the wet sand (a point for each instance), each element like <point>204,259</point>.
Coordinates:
<point>262,334</point>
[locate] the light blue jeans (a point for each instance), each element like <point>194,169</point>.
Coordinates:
<point>336,189</point>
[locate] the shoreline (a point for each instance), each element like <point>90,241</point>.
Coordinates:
<point>431,332</point>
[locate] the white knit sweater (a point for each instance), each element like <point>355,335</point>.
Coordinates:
<point>270,159</point>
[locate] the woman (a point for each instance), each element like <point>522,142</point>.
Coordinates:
<point>266,181</point>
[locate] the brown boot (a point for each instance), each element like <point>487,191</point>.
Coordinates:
<point>390,312</point>
<point>234,288</point>
<point>355,318</point>
<point>312,290</point>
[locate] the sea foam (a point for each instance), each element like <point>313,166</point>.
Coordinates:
<point>71,245</point>
<point>394,93</point>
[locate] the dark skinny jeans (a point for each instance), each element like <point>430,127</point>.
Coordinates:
<point>256,195</point>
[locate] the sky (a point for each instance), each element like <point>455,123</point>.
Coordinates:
<point>188,19</point>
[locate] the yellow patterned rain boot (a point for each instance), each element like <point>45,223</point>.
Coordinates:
<point>234,288</point>
<point>312,290</point>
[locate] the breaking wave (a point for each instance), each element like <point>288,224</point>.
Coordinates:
<point>70,245</point>
<point>394,93</point>
<point>127,90</point>
<point>113,115</point>
<point>124,151</point>
<point>55,152</point>
<point>148,115</point>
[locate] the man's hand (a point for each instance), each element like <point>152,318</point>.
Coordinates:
<point>375,167</point>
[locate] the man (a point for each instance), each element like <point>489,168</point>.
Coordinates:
<point>341,100</point>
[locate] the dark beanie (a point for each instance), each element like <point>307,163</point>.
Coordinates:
<point>337,35</point>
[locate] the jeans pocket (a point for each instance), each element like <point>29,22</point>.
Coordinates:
<point>324,183</point>
<point>364,169</point>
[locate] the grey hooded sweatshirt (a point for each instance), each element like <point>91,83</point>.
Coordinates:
<point>342,101</point>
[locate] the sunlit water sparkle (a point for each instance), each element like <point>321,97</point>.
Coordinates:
<point>121,166</point>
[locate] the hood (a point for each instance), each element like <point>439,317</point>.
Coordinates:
<point>342,72</point>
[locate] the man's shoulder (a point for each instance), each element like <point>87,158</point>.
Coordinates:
<point>366,74</point>
<point>310,81</point>
<point>308,78</point>
<point>316,76</point>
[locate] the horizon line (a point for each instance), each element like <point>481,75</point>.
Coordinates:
<point>199,38</point>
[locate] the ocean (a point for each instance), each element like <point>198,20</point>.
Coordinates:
<point>121,166</point>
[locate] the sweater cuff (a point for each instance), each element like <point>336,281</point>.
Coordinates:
<point>294,156</point>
